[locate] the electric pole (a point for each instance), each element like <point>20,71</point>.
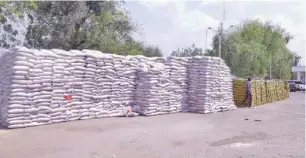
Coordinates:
<point>206,40</point>
<point>219,38</point>
<point>220,31</point>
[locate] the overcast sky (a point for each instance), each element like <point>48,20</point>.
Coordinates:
<point>178,24</point>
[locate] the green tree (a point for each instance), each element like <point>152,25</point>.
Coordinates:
<point>99,25</point>
<point>252,47</point>
<point>187,52</point>
<point>281,66</point>
<point>296,59</point>
<point>12,20</point>
<point>79,25</point>
<point>210,52</point>
<point>151,51</point>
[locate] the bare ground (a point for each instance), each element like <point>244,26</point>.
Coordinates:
<point>278,132</point>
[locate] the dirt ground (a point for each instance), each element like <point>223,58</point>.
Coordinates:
<point>279,133</point>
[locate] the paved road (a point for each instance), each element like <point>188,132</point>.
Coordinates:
<point>279,134</point>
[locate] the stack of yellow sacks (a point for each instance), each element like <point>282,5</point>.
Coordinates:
<point>283,89</point>
<point>287,89</point>
<point>262,91</point>
<point>271,96</point>
<point>284,96</point>
<point>257,95</point>
<point>239,92</point>
<point>277,91</point>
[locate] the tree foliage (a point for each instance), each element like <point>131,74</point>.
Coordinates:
<point>251,47</point>
<point>296,59</point>
<point>186,52</point>
<point>12,17</point>
<point>151,51</point>
<point>99,25</point>
<point>67,25</point>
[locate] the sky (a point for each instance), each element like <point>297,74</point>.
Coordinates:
<point>179,24</point>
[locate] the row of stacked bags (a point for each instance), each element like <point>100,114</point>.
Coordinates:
<point>263,91</point>
<point>287,88</point>
<point>239,92</point>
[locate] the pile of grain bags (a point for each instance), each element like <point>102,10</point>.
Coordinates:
<point>225,80</point>
<point>271,96</point>
<point>178,82</point>
<point>197,84</point>
<point>6,75</point>
<point>281,91</point>
<point>62,81</point>
<point>30,89</point>
<point>209,85</point>
<point>278,90</point>
<point>287,89</point>
<point>152,92</point>
<point>49,86</point>
<point>87,108</point>
<point>239,91</point>
<point>23,102</point>
<point>123,87</point>
<point>284,89</point>
<point>263,91</point>
<point>106,98</point>
<point>254,93</point>
<point>107,84</point>
<point>262,85</point>
<point>3,80</point>
<point>78,69</point>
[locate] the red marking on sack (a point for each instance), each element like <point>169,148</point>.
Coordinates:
<point>129,109</point>
<point>68,97</point>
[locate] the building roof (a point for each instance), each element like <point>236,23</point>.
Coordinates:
<point>298,69</point>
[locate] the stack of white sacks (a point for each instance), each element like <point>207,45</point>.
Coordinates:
<point>123,77</point>
<point>152,93</point>
<point>78,69</point>
<point>209,85</point>
<point>5,83</point>
<point>226,86</point>
<point>21,100</point>
<point>178,82</point>
<point>49,86</point>
<point>3,70</point>
<point>162,86</point>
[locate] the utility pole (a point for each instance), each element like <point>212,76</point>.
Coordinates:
<point>223,17</point>
<point>220,31</point>
<point>220,40</point>
<point>206,40</point>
